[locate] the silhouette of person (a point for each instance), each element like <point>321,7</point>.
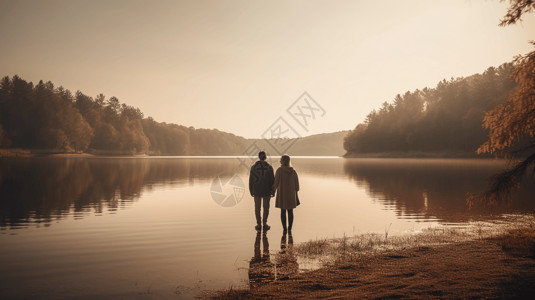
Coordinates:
<point>286,184</point>
<point>260,186</point>
<point>286,262</point>
<point>261,269</point>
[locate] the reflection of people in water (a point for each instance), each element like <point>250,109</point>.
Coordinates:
<point>261,269</point>
<point>286,262</point>
<point>286,184</point>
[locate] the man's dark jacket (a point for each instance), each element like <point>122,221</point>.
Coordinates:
<point>261,179</point>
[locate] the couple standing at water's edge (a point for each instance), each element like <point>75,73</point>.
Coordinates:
<point>263,185</point>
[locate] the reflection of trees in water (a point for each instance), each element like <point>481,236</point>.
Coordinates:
<point>323,167</point>
<point>41,189</point>
<point>432,187</point>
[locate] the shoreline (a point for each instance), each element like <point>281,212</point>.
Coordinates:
<point>20,152</point>
<point>418,154</point>
<point>485,263</point>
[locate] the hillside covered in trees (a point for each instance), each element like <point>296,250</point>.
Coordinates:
<point>441,121</point>
<point>324,144</point>
<point>47,119</point>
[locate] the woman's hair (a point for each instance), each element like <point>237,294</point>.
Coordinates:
<point>285,160</point>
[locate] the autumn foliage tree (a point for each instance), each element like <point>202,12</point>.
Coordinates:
<point>515,11</point>
<point>512,125</point>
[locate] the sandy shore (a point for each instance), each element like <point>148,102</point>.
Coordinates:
<point>497,267</point>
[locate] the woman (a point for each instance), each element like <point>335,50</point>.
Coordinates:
<point>286,185</point>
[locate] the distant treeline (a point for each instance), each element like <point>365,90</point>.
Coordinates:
<point>445,120</point>
<point>325,144</point>
<point>42,117</point>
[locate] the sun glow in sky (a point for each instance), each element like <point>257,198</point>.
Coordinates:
<point>238,65</point>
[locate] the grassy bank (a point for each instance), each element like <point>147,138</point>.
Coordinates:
<point>483,260</point>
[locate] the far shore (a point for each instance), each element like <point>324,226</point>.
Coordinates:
<point>18,152</point>
<point>418,154</point>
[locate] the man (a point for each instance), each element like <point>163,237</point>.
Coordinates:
<point>260,186</point>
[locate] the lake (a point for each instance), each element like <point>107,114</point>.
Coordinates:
<point>172,227</point>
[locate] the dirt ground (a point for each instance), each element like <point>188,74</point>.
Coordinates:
<point>496,268</point>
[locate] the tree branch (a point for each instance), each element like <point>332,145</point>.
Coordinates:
<point>502,184</point>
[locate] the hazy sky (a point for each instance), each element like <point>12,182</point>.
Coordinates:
<point>238,65</point>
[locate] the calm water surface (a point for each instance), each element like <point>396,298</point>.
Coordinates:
<point>173,227</point>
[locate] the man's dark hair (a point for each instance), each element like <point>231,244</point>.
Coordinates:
<point>262,155</point>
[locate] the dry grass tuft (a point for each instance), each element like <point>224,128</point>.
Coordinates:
<point>313,248</point>
<point>354,248</point>
<point>229,293</point>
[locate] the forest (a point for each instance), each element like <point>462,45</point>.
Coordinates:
<point>47,118</point>
<point>445,121</point>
